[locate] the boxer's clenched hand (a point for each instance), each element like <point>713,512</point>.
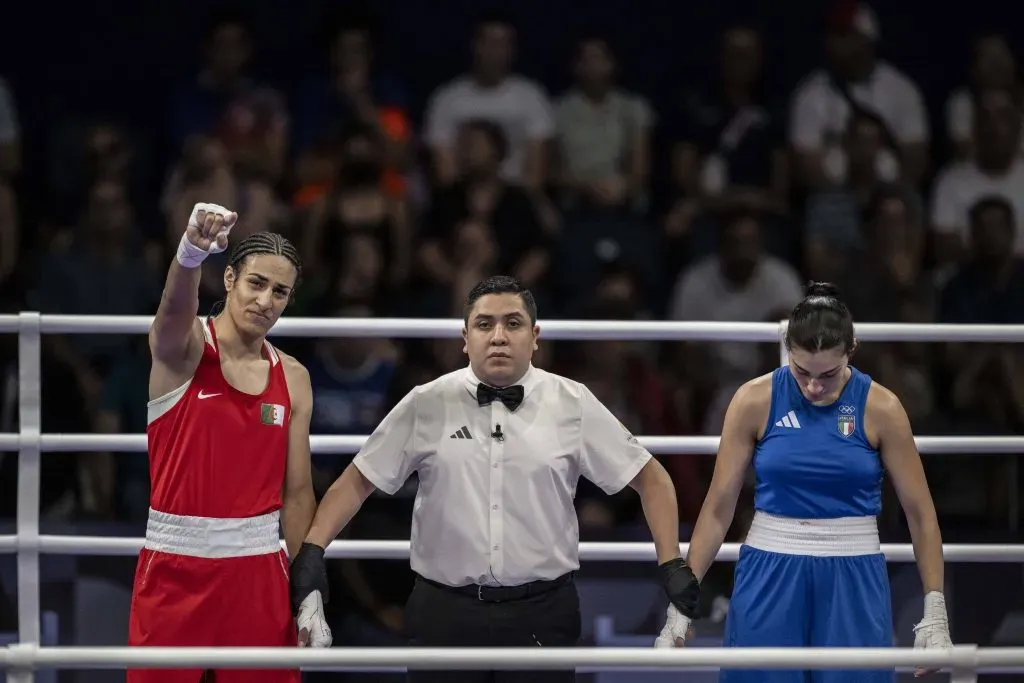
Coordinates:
<point>932,632</point>
<point>206,233</point>
<point>208,227</point>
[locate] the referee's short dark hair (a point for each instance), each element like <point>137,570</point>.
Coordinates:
<point>501,284</point>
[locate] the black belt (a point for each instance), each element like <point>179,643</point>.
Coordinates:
<point>504,593</point>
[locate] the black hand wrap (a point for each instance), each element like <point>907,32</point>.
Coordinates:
<point>308,574</point>
<point>681,586</point>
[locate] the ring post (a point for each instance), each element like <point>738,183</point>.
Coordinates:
<point>29,481</point>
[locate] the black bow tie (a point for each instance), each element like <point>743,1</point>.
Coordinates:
<point>510,396</point>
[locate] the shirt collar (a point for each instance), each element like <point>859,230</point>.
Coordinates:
<point>528,381</point>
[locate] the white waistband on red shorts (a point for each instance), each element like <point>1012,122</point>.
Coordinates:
<point>838,537</point>
<point>213,537</point>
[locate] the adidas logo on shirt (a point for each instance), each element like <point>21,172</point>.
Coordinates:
<point>789,420</point>
<point>461,434</point>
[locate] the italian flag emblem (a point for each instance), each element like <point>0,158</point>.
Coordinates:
<point>847,424</point>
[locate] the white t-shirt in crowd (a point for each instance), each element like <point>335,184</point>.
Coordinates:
<point>519,105</point>
<point>960,185</point>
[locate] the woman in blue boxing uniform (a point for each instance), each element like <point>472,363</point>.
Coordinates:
<point>821,435</point>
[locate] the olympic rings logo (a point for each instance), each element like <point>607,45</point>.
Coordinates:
<point>847,410</point>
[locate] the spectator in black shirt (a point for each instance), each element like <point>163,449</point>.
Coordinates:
<point>481,225</point>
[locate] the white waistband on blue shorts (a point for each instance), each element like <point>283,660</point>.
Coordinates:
<point>839,537</point>
<point>213,537</point>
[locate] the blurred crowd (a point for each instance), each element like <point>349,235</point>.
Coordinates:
<point>397,212</point>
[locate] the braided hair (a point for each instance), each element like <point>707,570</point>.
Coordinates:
<point>261,243</point>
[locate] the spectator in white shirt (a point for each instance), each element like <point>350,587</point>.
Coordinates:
<point>856,78</point>
<point>992,66</point>
<point>492,92</point>
<point>603,135</point>
<point>995,170</point>
<point>741,282</point>
<point>499,448</point>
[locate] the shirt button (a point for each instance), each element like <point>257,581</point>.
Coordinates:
<point>495,547</point>
<point>495,465</point>
<point>494,507</point>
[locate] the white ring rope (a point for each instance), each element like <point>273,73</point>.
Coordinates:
<point>661,445</point>
<point>963,656</point>
<point>649,330</point>
<point>67,544</point>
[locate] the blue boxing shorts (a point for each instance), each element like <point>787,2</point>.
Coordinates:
<point>810,583</point>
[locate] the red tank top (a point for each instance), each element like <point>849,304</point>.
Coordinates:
<point>215,451</point>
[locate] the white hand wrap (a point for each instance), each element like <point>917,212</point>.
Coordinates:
<point>932,632</point>
<point>676,626</point>
<point>191,256</point>
<point>312,620</point>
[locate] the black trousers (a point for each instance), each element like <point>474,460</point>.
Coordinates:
<point>548,616</point>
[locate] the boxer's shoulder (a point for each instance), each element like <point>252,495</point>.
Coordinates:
<point>300,388</point>
<point>754,396</point>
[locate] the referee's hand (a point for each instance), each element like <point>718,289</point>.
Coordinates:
<point>683,591</point>
<point>681,586</point>
<point>308,574</point>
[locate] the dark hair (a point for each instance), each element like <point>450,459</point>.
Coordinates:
<point>585,40</point>
<point>821,321</point>
<point>265,243</point>
<point>985,35</point>
<point>349,18</point>
<point>494,18</point>
<point>500,284</point>
<point>223,17</point>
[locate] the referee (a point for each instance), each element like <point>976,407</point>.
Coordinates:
<point>499,448</point>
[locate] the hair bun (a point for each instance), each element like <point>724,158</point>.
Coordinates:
<point>822,289</point>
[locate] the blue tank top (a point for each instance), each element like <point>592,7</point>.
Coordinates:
<point>815,462</point>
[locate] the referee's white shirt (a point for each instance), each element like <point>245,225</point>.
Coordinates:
<point>494,511</point>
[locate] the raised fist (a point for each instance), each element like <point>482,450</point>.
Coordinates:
<point>208,227</point>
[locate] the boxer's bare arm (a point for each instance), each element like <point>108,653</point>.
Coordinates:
<point>176,336</point>
<point>746,414</point>
<point>339,505</point>
<point>298,501</point>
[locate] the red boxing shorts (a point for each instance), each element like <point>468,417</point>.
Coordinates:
<point>204,582</point>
